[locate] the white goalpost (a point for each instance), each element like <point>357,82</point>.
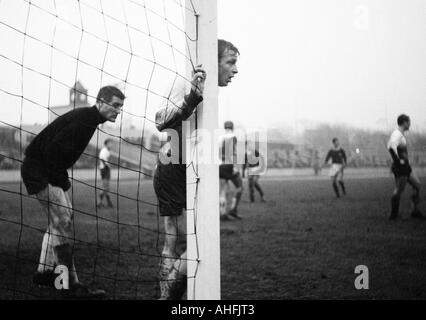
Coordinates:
<point>203,224</point>
<point>147,49</point>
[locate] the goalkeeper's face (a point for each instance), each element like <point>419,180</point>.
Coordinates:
<point>110,110</point>
<point>227,67</point>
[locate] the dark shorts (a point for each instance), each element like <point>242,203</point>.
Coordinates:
<point>170,188</point>
<point>226,171</point>
<point>401,170</point>
<point>106,173</point>
<point>35,177</point>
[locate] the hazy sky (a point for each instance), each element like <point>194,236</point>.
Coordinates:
<point>302,62</point>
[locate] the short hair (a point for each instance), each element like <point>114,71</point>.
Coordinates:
<point>107,141</point>
<point>334,139</point>
<point>106,93</point>
<point>402,118</point>
<point>222,46</point>
<point>229,125</point>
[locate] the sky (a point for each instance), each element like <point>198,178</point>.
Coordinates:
<point>303,62</point>
<point>359,63</point>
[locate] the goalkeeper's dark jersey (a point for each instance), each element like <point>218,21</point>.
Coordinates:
<point>58,146</point>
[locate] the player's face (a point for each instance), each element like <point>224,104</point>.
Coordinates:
<point>112,109</point>
<point>227,67</point>
<point>336,143</point>
<point>407,125</point>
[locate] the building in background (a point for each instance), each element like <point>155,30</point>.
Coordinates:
<point>77,99</point>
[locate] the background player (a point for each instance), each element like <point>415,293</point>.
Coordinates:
<point>338,164</point>
<point>105,170</point>
<point>402,170</point>
<point>254,164</point>
<point>44,173</point>
<point>170,179</point>
<point>170,184</point>
<point>229,171</point>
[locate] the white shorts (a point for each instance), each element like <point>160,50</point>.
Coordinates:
<point>336,169</point>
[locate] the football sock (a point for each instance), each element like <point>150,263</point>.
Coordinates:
<point>342,185</point>
<point>166,265</point>
<point>47,258</point>
<point>394,205</point>
<point>64,257</point>
<point>336,189</point>
<point>259,189</point>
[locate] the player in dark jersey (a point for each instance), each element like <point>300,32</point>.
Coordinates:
<point>402,170</point>
<point>338,164</point>
<point>44,173</point>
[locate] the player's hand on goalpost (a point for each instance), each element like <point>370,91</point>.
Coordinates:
<point>198,80</point>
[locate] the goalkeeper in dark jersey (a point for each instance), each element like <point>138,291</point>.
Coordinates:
<point>44,173</point>
<point>402,170</point>
<point>338,164</point>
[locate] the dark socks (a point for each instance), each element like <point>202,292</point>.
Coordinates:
<point>259,189</point>
<point>342,185</point>
<point>108,200</point>
<point>394,206</point>
<point>336,189</point>
<point>237,199</point>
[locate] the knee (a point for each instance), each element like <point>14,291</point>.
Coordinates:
<point>239,188</point>
<point>170,224</point>
<point>396,195</point>
<point>65,223</point>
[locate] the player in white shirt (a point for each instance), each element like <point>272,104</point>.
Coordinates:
<point>254,165</point>
<point>402,170</point>
<point>104,156</point>
<point>229,170</point>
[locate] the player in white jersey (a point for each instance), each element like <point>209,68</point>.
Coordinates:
<point>402,170</point>
<point>254,165</point>
<point>105,170</point>
<point>229,170</point>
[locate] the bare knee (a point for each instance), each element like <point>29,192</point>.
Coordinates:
<point>64,221</point>
<point>171,233</point>
<point>170,224</point>
<point>398,192</point>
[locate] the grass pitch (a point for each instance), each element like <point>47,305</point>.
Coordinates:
<point>301,244</point>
